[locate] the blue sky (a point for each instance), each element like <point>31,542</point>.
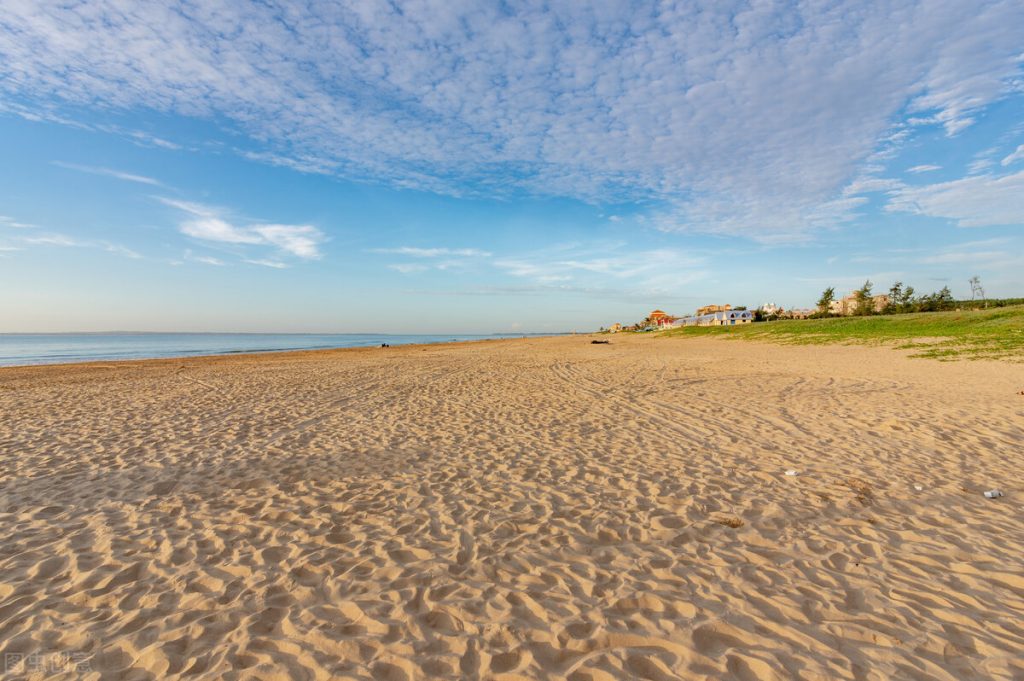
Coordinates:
<point>470,167</point>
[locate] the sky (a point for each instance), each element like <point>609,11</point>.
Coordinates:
<point>441,166</point>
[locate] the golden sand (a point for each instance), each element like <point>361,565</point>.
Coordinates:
<point>540,508</point>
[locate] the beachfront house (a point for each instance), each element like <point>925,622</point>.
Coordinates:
<point>847,305</point>
<point>732,317</point>
<point>615,328</point>
<point>659,319</point>
<point>797,313</point>
<point>728,317</point>
<point>711,309</point>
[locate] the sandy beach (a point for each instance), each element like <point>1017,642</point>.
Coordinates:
<point>539,508</point>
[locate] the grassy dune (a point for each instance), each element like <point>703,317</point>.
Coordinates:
<point>970,334</point>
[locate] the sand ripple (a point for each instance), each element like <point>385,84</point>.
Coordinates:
<point>515,510</point>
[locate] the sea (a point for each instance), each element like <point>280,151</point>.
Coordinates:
<point>18,349</point>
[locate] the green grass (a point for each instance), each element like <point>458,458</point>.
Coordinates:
<point>971,334</point>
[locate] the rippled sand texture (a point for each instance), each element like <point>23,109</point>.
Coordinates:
<point>540,508</point>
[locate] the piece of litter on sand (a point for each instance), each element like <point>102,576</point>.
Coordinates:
<point>918,488</point>
<point>993,494</point>
<point>791,472</point>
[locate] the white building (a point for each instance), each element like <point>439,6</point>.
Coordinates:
<point>723,318</point>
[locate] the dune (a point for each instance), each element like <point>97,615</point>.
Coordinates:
<point>541,508</point>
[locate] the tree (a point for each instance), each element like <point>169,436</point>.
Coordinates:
<point>976,290</point>
<point>907,298</point>
<point>862,296</point>
<point>826,300</point>
<point>933,302</point>
<point>895,296</point>
<point>945,299</point>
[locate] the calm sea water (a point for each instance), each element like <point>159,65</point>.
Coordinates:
<point>20,349</point>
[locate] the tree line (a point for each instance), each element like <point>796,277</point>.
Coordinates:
<point>903,298</point>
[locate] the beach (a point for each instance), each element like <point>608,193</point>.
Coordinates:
<point>539,508</point>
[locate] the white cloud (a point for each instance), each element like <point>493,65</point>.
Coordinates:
<point>191,207</point>
<point>14,224</point>
<point>408,268</point>
<point>658,272</point>
<point>926,168</point>
<point>215,229</point>
<point>51,240</point>
<point>867,185</point>
<point>203,259</point>
<point>269,263</point>
<point>304,164</point>
<point>962,257</point>
<point>120,175</point>
<point>435,252</point>
<point>441,258</point>
<point>986,255</point>
<point>981,252</point>
<point>145,139</point>
<point>208,224</point>
<point>743,119</point>
<point>612,270</point>
<point>64,241</point>
<point>983,160</point>
<point>994,242</point>
<point>973,201</point>
<point>118,249</point>
<point>1017,155</point>
<point>300,240</point>
<point>847,283</point>
<point>46,111</point>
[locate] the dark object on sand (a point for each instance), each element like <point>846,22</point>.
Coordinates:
<point>385,345</point>
<point>597,342</point>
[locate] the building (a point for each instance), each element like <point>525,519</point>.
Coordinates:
<point>710,309</point>
<point>732,317</point>
<point>770,309</point>
<point>847,305</point>
<point>615,328</point>
<point>659,319</point>
<point>656,316</point>
<point>842,305</point>
<point>721,318</point>
<point>798,313</point>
